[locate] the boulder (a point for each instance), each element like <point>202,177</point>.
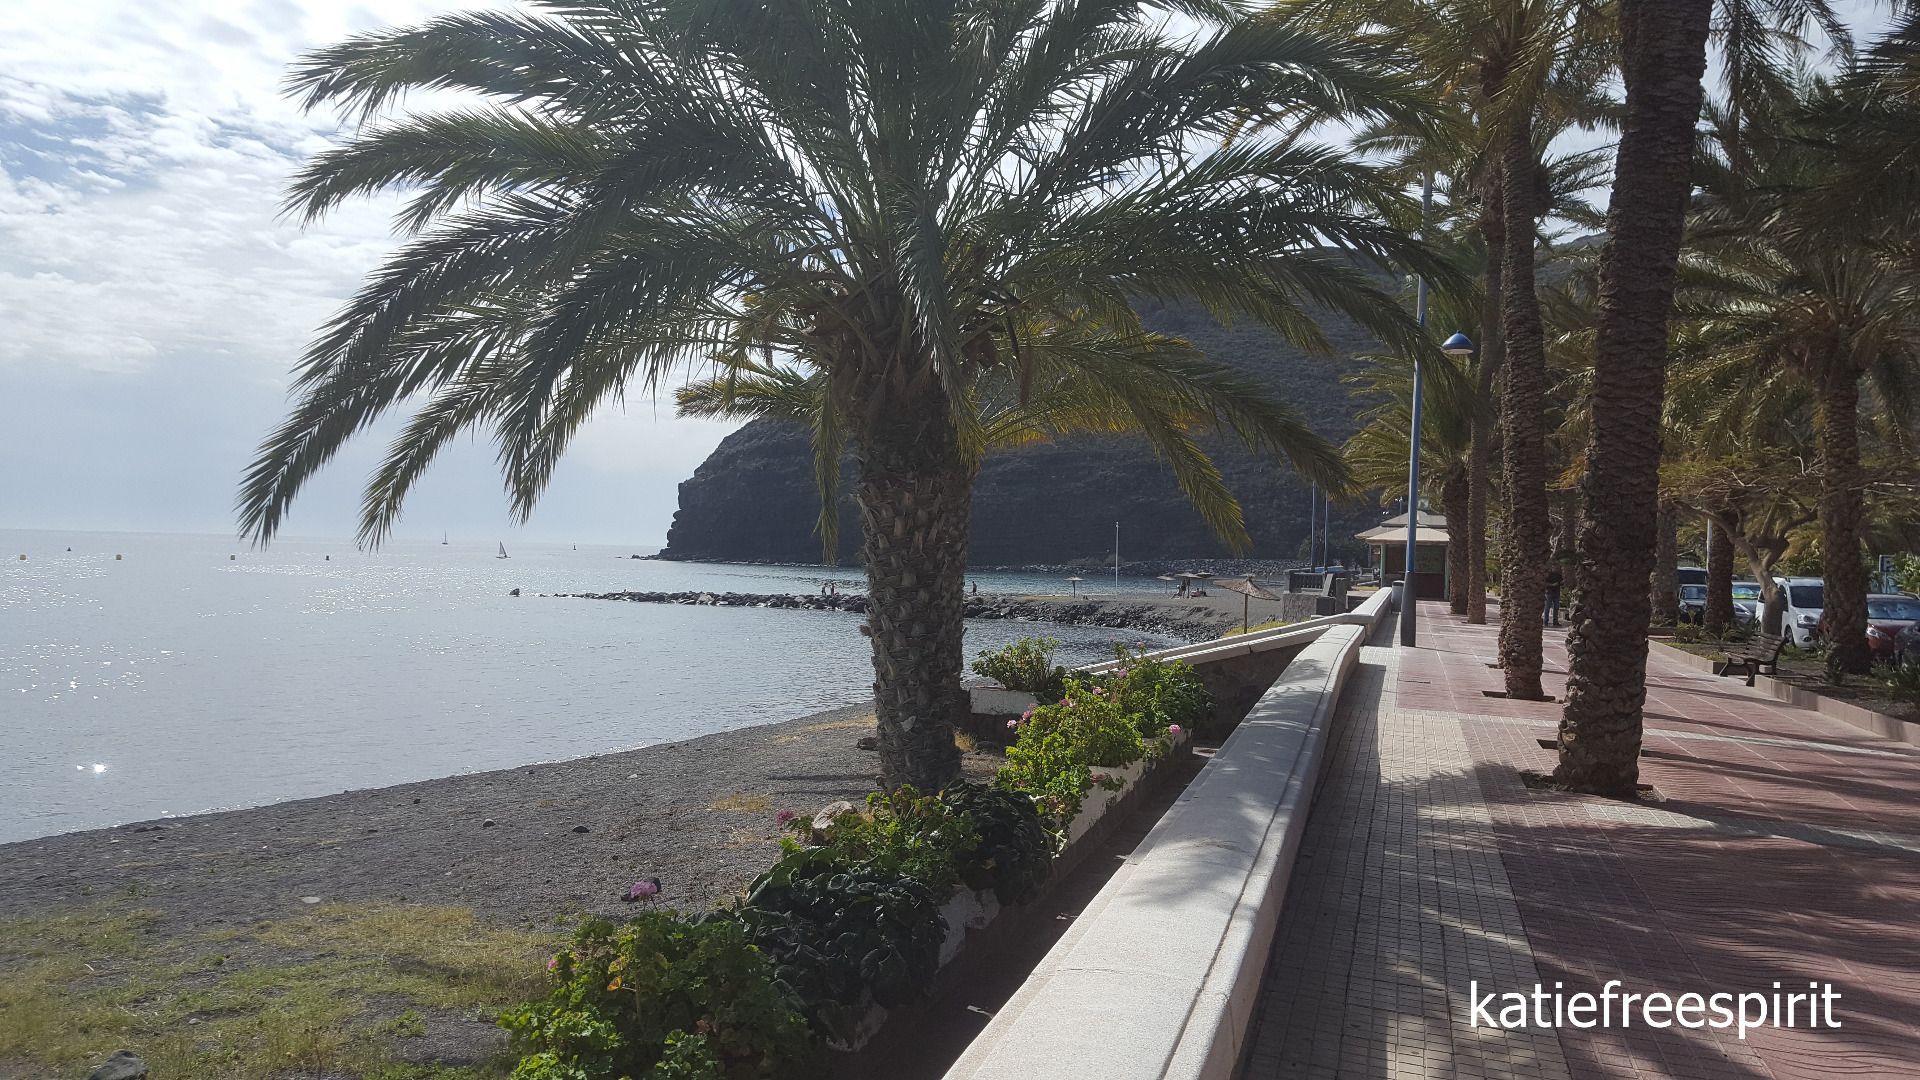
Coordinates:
<point>122,1065</point>
<point>825,818</point>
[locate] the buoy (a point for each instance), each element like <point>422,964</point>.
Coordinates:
<point>329,558</point>
<point>230,558</point>
<point>116,558</point>
<point>23,558</point>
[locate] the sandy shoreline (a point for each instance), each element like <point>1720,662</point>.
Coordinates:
<point>699,814</point>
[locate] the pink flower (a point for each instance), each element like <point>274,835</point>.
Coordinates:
<point>1123,673</point>
<point>1173,729</point>
<point>1028,715</point>
<point>1098,778</point>
<point>553,963</point>
<point>1013,725</point>
<point>785,817</point>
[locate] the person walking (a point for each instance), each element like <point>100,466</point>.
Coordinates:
<point>1550,612</point>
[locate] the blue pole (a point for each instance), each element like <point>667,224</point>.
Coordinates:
<point>1407,633</point>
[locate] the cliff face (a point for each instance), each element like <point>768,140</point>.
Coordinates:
<point>754,499</point>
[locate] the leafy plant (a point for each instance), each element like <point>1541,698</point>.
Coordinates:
<point>838,931</point>
<point>1159,693</point>
<point>661,997</point>
<point>1060,745</point>
<point>1687,633</point>
<point>1026,665</point>
<point>1903,683</point>
<point>922,834</point>
<point>1012,851</point>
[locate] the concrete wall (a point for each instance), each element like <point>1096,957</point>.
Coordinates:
<point>1157,978</point>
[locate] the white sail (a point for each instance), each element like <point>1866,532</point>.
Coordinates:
<point>503,551</point>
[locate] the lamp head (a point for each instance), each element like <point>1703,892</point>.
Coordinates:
<point>1457,345</point>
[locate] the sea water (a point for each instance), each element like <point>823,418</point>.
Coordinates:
<point>150,675</point>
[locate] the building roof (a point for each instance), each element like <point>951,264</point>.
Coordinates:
<point>1432,530</point>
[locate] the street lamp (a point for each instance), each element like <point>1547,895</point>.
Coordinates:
<point>1457,345</point>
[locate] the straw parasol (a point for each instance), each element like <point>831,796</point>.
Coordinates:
<point>1247,590</point>
<point>1074,582</point>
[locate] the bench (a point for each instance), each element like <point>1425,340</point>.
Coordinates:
<point>1762,652</point>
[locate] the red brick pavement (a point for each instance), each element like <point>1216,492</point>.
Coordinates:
<point>1787,848</point>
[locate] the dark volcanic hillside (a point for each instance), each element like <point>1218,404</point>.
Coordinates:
<point>753,498</point>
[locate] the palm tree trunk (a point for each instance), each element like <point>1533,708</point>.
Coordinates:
<point>1845,612</point>
<point>1719,608</point>
<point>1481,450</point>
<point>915,495</point>
<point>1524,534</point>
<point>1453,503</point>
<point>1663,56</point>
<point>1663,590</point>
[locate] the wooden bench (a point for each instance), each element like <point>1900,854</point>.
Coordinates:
<point>1761,652</point>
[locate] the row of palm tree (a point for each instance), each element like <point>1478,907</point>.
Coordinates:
<point>1790,300</point>
<point>921,229</point>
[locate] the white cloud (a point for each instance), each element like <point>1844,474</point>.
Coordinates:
<point>144,148</point>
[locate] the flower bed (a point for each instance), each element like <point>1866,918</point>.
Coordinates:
<point>858,915</point>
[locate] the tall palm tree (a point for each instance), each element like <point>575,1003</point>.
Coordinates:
<point>1663,57</point>
<point>885,192</point>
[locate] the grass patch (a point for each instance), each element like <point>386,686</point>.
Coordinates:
<point>745,802</point>
<point>325,991</point>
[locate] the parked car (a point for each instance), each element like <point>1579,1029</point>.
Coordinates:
<point>1806,597</point>
<point>1693,575</point>
<point>1746,602</point>
<point>1693,603</point>
<point>1887,615</point>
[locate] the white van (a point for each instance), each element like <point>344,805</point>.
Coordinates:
<point>1805,596</point>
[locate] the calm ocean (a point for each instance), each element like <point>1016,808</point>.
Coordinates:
<point>176,681</point>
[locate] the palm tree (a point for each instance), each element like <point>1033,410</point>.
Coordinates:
<point>1663,58</point>
<point>886,194</point>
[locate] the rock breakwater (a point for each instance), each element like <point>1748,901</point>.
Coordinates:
<point>1195,623</point>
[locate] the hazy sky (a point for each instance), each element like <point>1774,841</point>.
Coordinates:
<point>152,301</point>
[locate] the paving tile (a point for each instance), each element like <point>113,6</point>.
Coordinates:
<point>1787,848</point>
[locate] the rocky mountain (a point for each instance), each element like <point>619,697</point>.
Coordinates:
<point>753,499</point>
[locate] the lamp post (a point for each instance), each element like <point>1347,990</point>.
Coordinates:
<point>1457,345</point>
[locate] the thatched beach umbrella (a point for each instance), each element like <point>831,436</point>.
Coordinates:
<point>1074,582</point>
<point>1247,590</point>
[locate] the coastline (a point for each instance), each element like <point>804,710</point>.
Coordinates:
<point>698,813</point>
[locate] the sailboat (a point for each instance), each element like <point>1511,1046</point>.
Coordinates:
<point>443,539</point>
<point>503,552</point>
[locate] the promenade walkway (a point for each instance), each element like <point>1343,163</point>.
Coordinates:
<point>1784,847</point>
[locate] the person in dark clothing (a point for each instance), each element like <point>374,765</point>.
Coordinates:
<point>1551,611</point>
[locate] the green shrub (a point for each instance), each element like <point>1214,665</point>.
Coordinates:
<point>1903,683</point>
<point>657,998</point>
<point>1159,694</point>
<point>837,931</point>
<point>1026,665</point>
<point>1012,851</point>
<point>1687,633</point>
<point>922,835</point>
<point>1059,746</point>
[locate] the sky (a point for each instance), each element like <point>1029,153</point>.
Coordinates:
<point>153,300</point>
